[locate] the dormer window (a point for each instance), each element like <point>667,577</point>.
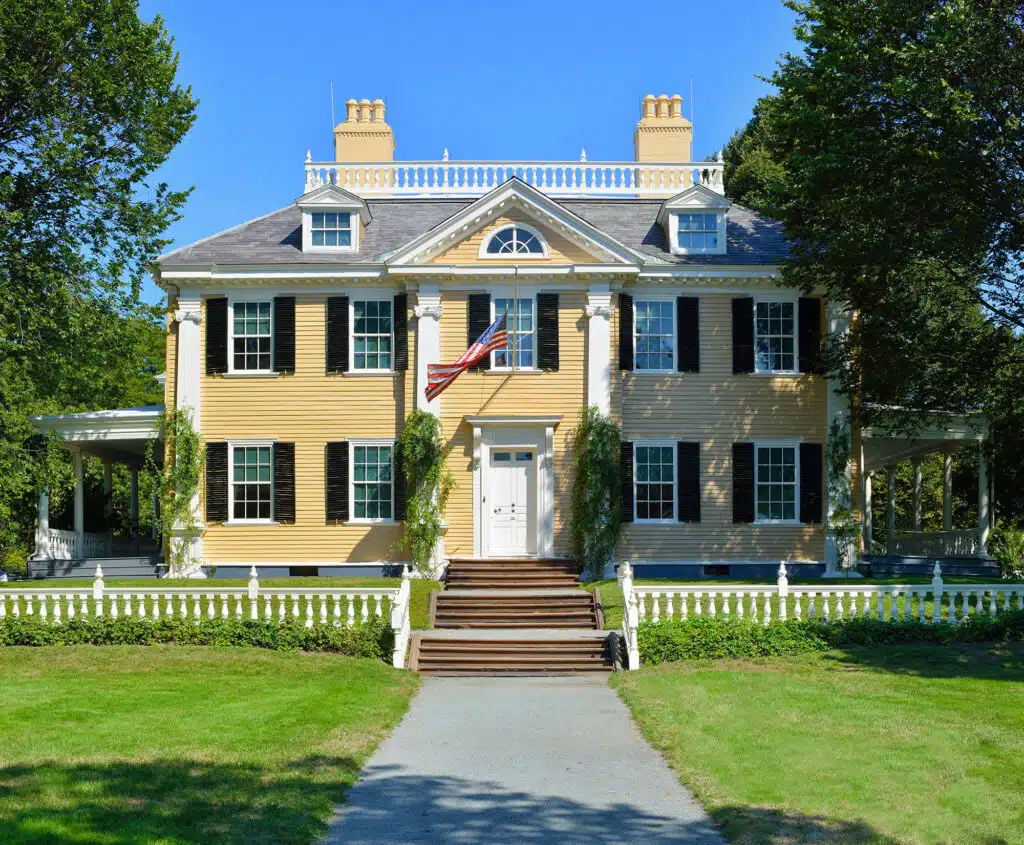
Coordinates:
<point>331,228</point>
<point>514,240</point>
<point>695,221</point>
<point>697,232</point>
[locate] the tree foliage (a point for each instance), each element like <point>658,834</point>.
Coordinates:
<point>596,491</point>
<point>89,109</point>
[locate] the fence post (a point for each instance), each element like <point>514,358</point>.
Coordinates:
<point>97,590</point>
<point>630,617</point>
<point>937,594</point>
<point>783,583</point>
<point>400,622</point>
<point>254,593</point>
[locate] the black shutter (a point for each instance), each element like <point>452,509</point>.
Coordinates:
<point>625,331</point>
<point>336,493</point>
<point>337,334</point>
<point>742,482</point>
<point>810,482</point>
<point>284,482</point>
<point>400,486</point>
<point>284,334</point>
<point>401,318</point>
<point>688,490</point>
<point>217,482</point>
<point>809,344</point>
<point>217,335</point>
<point>743,335</point>
<point>547,331</point>
<point>478,318</point>
<point>688,334</point>
<point>627,481</point>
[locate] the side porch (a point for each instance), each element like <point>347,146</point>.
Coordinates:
<point>71,542</point>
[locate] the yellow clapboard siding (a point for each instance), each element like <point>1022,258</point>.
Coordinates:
<point>170,385</point>
<point>560,249</point>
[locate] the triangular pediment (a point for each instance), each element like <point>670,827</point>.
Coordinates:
<point>697,198</point>
<point>332,197</point>
<point>568,237</point>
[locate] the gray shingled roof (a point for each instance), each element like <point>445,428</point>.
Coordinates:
<point>276,238</point>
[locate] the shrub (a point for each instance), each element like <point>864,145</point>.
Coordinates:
<point>710,638</point>
<point>370,639</point>
<point>14,561</point>
<point>1006,545</point>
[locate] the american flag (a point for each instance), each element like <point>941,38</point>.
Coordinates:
<point>439,376</point>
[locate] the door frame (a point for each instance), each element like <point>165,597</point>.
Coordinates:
<point>535,433</point>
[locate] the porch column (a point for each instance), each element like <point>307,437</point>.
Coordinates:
<point>428,312</point>
<point>133,501</point>
<point>76,460</point>
<point>156,513</point>
<point>187,386</point>
<point>599,341</point>
<point>984,499</point>
<point>42,550</point>
<point>916,465</point>
<point>868,515</point>
<point>840,547</point>
<point>947,491</point>
<point>890,508</point>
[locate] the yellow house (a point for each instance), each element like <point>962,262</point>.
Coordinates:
<point>300,341</point>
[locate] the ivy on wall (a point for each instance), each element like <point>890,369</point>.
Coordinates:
<point>596,492</point>
<point>177,483</point>
<point>841,521</point>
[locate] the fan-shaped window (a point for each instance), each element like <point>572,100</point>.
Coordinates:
<point>515,240</point>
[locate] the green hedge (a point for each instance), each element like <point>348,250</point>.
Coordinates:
<point>370,639</point>
<point>717,637</point>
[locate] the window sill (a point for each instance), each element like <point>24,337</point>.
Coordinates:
<point>254,374</point>
<point>520,371</point>
<point>778,373</point>
<point>791,523</point>
<point>251,522</point>
<point>657,522</point>
<point>367,373</point>
<point>657,373</point>
<point>371,522</point>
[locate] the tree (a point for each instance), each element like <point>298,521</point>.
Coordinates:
<point>89,109</point>
<point>753,177</point>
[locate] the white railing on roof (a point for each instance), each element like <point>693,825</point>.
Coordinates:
<point>960,543</point>
<point>475,178</point>
<point>338,606</point>
<point>927,603</point>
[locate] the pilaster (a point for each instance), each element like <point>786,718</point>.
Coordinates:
<point>839,486</point>
<point>599,342</point>
<point>188,381</point>
<point>428,312</point>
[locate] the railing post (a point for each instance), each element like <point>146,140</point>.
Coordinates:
<point>630,617</point>
<point>400,623</point>
<point>937,594</point>
<point>254,593</point>
<point>783,583</point>
<point>97,590</point>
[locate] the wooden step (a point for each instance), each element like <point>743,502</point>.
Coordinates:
<point>443,656</point>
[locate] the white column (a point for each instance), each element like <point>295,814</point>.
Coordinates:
<point>42,550</point>
<point>428,312</point>
<point>156,512</point>
<point>599,354</point>
<point>984,499</point>
<point>108,503</point>
<point>133,501</point>
<point>868,515</point>
<point>947,491</point>
<point>890,507</point>
<point>916,466</point>
<point>187,384</point>
<point>839,486</point>
<point>76,460</point>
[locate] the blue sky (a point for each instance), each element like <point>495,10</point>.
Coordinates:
<point>524,80</point>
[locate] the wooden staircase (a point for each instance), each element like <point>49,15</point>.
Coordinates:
<point>512,616</point>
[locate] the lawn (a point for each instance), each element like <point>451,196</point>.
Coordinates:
<point>418,606</point>
<point>917,744</point>
<point>184,745</point>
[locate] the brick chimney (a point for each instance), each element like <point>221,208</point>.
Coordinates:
<point>364,136</point>
<point>663,134</point>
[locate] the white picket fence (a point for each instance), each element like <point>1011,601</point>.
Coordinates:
<point>339,607</point>
<point>824,603</point>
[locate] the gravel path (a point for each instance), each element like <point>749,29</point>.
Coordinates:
<point>510,760</point>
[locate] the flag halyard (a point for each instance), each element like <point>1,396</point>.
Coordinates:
<point>439,376</point>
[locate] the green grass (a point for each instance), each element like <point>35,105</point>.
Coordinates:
<point>184,745</point>
<point>418,605</point>
<point>915,744</point>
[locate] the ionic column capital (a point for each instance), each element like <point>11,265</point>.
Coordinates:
<point>434,310</point>
<point>600,310</point>
<point>189,315</point>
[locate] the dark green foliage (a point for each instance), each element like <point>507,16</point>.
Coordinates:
<point>596,491</point>
<point>370,639</point>
<point>712,638</point>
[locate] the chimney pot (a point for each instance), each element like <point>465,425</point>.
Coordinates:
<point>647,110</point>
<point>351,111</point>
<point>364,110</point>
<point>378,110</point>
<point>662,105</point>
<point>675,105</point>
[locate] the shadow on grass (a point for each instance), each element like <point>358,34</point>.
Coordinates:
<point>764,826</point>
<point>988,661</point>
<point>177,801</point>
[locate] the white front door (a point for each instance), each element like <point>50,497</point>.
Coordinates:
<point>510,504</point>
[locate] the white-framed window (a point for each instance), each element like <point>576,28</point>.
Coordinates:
<point>331,229</point>
<point>777,482</point>
<point>775,333</point>
<point>516,239</point>
<point>372,482</point>
<point>372,335</point>
<point>654,335</point>
<point>251,492</point>
<point>654,481</point>
<point>520,324</point>
<point>251,336</point>
<point>698,232</point>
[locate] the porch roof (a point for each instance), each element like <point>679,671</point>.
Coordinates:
<point>121,434</point>
<point>885,445</point>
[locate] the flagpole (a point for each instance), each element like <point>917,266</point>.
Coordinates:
<point>515,320</point>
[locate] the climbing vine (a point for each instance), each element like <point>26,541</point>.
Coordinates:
<point>428,484</point>
<point>841,521</point>
<point>596,494</point>
<point>177,484</point>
